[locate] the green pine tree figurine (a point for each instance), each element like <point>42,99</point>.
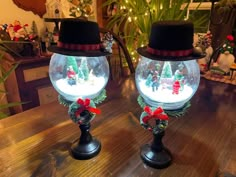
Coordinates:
<point>71,61</point>
<point>166,72</point>
<point>81,74</point>
<point>149,80</point>
<point>85,69</point>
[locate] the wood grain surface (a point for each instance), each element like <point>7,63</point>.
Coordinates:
<point>203,142</point>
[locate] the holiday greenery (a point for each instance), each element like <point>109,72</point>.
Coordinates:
<point>99,99</point>
<point>172,113</point>
<point>158,114</point>
<point>84,68</point>
<point>71,61</point>
<point>83,111</point>
<point>149,80</point>
<point>166,71</point>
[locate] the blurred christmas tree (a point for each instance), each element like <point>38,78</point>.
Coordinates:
<point>166,72</point>
<point>84,68</point>
<point>71,61</point>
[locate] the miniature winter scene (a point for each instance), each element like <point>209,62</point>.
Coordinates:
<point>223,68</point>
<point>78,77</point>
<point>169,84</point>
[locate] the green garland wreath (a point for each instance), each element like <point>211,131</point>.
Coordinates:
<point>160,124</point>
<point>172,113</point>
<point>85,117</point>
<point>99,99</point>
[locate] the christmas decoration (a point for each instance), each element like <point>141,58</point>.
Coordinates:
<point>226,57</point>
<point>167,91</point>
<point>71,76</point>
<point>81,8</point>
<point>228,46</point>
<point>107,42</point>
<point>176,87</point>
<point>204,40</point>
<point>99,99</point>
<point>171,113</point>
<point>204,44</point>
<point>161,119</point>
<point>18,31</point>
<point>79,71</point>
<point>216,71</point>
<point>81,107</point>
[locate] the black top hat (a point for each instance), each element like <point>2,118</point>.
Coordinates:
<point>79,37</point>
<point>171,40</point>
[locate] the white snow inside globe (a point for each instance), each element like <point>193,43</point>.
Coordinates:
<point>76,77</point>
<point>169,84</point>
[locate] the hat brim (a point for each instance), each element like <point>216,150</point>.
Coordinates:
<point>87,53</point>
<point>143,51</point>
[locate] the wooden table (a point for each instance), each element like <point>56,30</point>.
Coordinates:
<point>203,142</point>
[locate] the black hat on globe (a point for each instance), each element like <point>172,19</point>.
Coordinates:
<point>79,37</point>
<point>171,40</point>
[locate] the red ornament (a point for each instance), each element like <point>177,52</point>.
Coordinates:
<point>230,37</point>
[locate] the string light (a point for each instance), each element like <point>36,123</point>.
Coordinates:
<point>161,6</point>
<point>129,19</point>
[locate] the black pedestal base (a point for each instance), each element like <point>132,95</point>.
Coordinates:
<point>156,159</point>
<point>86,151</point>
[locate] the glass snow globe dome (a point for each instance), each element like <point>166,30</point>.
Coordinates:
<point>76,77</point>
<point>169,84</point>
<point>168,74</point>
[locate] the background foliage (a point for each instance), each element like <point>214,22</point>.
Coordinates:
<point>133,19</point>
<point>3,77</point>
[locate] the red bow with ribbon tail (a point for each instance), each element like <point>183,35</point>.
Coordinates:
<point>156,114</point>
<point>84,105</point>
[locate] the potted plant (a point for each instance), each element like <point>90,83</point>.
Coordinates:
<point>132,20</point>
<point>3,77</point>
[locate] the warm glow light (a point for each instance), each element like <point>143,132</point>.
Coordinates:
<point>161,6</point>
<point>135,18</point>
<point>130,10</point>
<point>122,7</point>
<point>129,19</point>
<point>146,14</point>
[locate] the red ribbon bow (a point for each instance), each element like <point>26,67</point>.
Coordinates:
<point>84,105</point>
<point>156,114</point>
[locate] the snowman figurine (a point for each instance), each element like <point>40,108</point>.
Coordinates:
<point>226,57</point>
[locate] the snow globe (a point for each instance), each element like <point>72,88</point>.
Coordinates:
<point>79,72</point>
<point>167,76</point>
<point>76,77</point>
